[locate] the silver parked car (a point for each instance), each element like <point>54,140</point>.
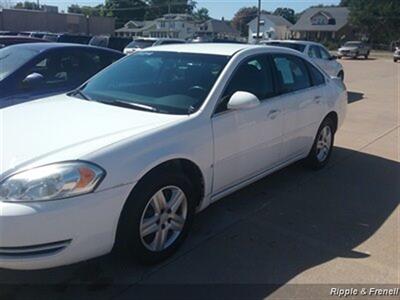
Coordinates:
<point>143,43</point>
<point>354,50</point>
<point>396,55</point>
<point>317,52</point>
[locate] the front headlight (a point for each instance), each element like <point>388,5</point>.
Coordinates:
<point>51,182</point>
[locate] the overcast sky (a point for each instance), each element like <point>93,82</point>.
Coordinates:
<point>217,8</point>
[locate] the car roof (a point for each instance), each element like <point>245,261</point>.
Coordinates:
<point>170,39</point>
<point>293,42</point>
<point>46,46</point>
<point>226,49</point>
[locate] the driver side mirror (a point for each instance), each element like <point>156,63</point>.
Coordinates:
<point>243,100</point>
<point>33,80</point>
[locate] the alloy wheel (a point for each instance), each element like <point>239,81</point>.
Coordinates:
<point>163,218</point>
<point>324,143</point>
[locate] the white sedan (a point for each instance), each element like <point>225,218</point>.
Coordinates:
<point>317,52</point>
<point>125,161</point>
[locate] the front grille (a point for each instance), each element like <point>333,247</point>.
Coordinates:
<point>42,249</point>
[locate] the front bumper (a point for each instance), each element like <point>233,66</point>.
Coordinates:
<point>397,55</point>
<point>346,53</point>
<point>54,233</point>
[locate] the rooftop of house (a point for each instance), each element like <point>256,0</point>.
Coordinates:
<point>277,20</point>
<point>337,18</point>
<point>218,26</point>
<point>176,17</point>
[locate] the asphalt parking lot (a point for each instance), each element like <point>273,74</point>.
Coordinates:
<point>282,235</point>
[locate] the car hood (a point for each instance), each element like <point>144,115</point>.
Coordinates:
<point>66,128</point>
<point>348,48</point>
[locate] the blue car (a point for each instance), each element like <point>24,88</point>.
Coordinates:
<point>32,71</point>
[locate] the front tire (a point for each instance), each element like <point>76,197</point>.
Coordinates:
<point>156,218</point>
<point>323,144</point>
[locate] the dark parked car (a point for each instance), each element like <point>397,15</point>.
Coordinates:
<point>116,43</point>
<point>8,40</point>
<point>67,38</point>
<point>38,34</point>
<point>8,32</point>
<point>31,71</point>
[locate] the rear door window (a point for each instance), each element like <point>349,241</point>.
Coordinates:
<point>324,54</point>
<point>316,76</point>
<point>314,52</point>
<point>292,73</point>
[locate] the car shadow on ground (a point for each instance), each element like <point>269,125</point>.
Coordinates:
<point>359,58</point>
<point>354,97</point>
<point>260,237</point>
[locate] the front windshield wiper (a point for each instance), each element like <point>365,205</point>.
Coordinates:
<point>81,94</point>
<point>130,105</point>
<point>5,56</point>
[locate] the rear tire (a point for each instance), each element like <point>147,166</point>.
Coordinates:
<point>323,144</point>
<point>148,231</point>
<point>341,75</point>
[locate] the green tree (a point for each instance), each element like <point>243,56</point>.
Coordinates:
<point>242,17</point>
<point>378,19</point>
<point>125,10</point>
<point>158,8</point>
<point>27,5</point>
<point>286,13</point>
<point>98,10</point>
<point>202,14</point>
<point>344,3</point>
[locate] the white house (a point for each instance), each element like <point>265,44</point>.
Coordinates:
<point>216,30</point>
<point>271,27</point>
<point>181,26</point>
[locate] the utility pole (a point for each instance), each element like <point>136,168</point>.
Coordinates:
<point>258,21</point>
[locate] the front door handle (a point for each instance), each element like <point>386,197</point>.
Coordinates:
<point>317,99</point>
<point>273,113</point>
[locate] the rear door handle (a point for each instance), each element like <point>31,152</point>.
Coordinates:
<point>273,113</point>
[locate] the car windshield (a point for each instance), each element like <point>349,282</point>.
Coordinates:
<point>100,41</point>
<point>141,44</point>
<point>50,37</point>
<point>298,47</point>
<point>164,82</point>
<point>352,44</point>
<point>12,58</point>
